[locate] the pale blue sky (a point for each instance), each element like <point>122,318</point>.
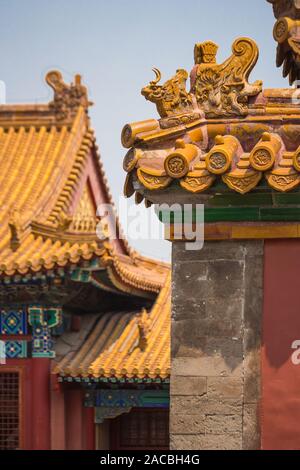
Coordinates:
<point>114,44</point>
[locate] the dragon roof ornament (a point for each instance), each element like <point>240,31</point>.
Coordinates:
<point>67,98</point>
<point>225,134</point>
<point>216,89</point>
<point>286,33</point>
<point>285,7</point>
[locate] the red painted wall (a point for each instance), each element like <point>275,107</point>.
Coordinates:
<point>281,327</point>
<point>74,419</point>
<point>72,425</point>
<point>23,367</point>
<point>52,416</point>
<point>34,401</point>
<point>58,418</point>
<point>40,403</point>
<point>89,428</point>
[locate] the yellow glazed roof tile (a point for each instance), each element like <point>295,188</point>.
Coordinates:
<point>44,153</point>
<point>227,159</point>
<point>130,345</point>
<point>224,131</point>
<point>36,184</point>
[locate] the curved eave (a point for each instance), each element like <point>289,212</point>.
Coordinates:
<point>113,350</point>
<point>241,160</point>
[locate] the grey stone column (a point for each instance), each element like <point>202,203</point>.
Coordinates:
<point>216,341</point>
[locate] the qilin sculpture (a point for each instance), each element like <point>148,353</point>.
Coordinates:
<point>216,89</point>
<point>171,97</point>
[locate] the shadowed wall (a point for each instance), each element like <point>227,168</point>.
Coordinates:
<point>216,341</point>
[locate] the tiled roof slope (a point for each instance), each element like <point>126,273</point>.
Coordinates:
<point>51,182</point>
<point>121,345</point>
<point>239,152</point>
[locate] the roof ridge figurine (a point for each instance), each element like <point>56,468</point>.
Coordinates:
<point>286,33</point>
<point>67,98</point>
<point>216,89</point>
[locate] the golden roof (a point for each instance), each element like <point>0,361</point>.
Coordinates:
<point>225,130</point>
<point>286,34</point>
<point>51,182</point>
<point>40,167</point>
<point>124,345</point>
<point>236,159</point>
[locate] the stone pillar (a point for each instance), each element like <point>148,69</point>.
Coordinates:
<point>216,342</point>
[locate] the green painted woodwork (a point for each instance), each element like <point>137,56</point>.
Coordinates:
<point>127,398</point>
<point>262,206</point>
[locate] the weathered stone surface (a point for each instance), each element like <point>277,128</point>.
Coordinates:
<point>204,406</point>
<point>253,293</point>
<point>192,338</point>
<point>189,333</point>
<point>193,386</point>
<point>225,270</point>
<point>221,442</point>
<point>213,250</point>
<point>223,424</point>
<point>253,248</point>
<point>224,387</point>
<point>192,278</point>
<point>225,346</point>
<point>216,335</point>
<point>208,366</point>
<point>182,424</point>
<point>222,407</point>
<point>208,289</point>
<point>185,442</point>
<point>209,316</point>
<point>252,376</point>
<point>225,318</point>
<point>203,442</point>
<point>196,309</point>
<point>251,427</point>
<point>189,405</point>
